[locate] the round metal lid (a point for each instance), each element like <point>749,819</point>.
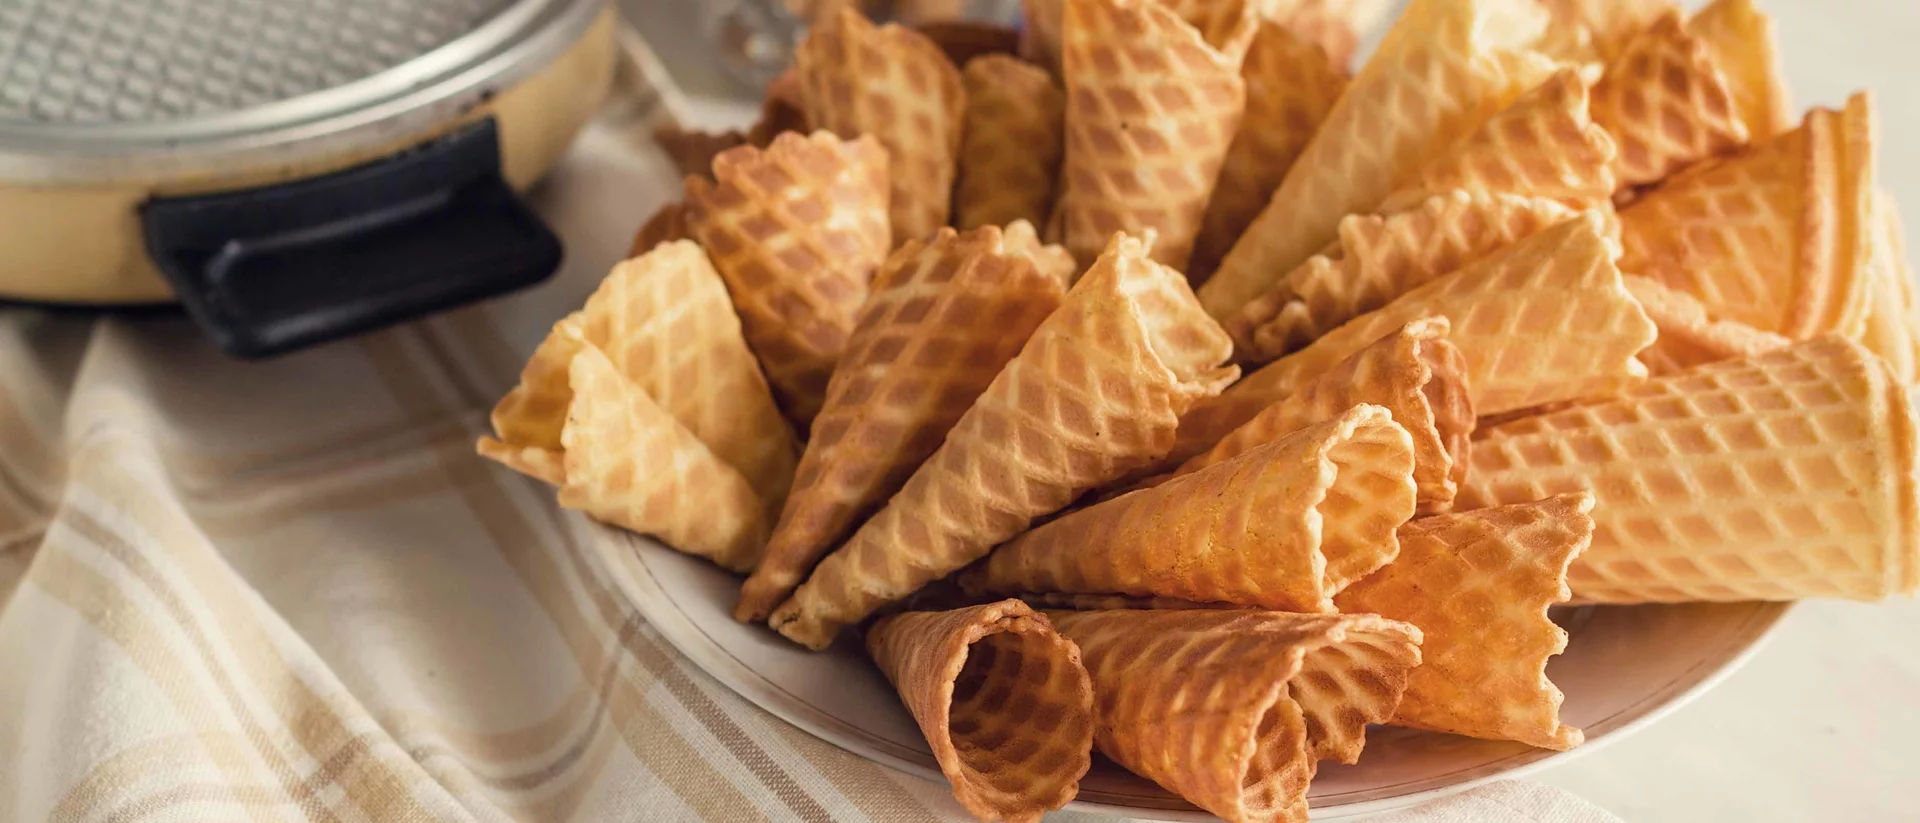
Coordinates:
<point>103,90</point>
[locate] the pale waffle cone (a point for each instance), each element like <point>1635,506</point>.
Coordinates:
<point>1379,258</point>
<point>1446,66</point>
<point>665,321</point>
<point>1688,336</point>
<point>1666,103</point>
<point>1011,153</point>
<point>964,41</point>
<point>1777,237</point>
<point>1541,321</point>
<point>796,231</point>
<point>1596,31</point>
<point>1893,319</point>
<point>1742,40</point>
<point>1545,145</point>
<point>895,84</point>
<point>630,464</point>
<point>1095,393</point>
<point>665,226</point>
<point>1232,710</point>
<point>1787,475</point>
<point>1151,109</point>
<point>1002,699</point>
<point>1415,373</point>
<point>1285,525</point>
<point>1478,585</point>
<point>945,316</point>
<point>1291,85</point>
<point>529,419</point>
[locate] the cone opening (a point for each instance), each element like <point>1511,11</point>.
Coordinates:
<point>1020,719</point>
<point>1368,492</point>
<point>1276,778</point>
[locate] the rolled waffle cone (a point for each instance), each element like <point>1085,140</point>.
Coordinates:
<point>962,41</point>
<point>630,464</point>
<point>1777,237</point>
<point>1232,709</point>
<point>947,314</point>
<point>796,231</point>
<point>1285,525</point>
<point>1545,145</point>
<point>1688,337</point>
<point>1590,31</point>
<point>1666,103</point>
<point>1151,109</point>
<point>1380,258</point>
<point>1002,699</point>
<point>1291,85</point>
<point>1893,316</point>
<point>665,226</point>
<point>1415,373</point>
<point>892,83</point>
<point>533,412</point>
<point>1011,153</point>
<point>1446,66</point>
<point>1095,394</point>
<point>1478,585</point>
<point>1786,475</point>
<point>1542,321</point>
<point>1743,45</point>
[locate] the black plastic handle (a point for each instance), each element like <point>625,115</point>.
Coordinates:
<point>272,269</point>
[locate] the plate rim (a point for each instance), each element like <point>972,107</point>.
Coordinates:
<point>650,598</point>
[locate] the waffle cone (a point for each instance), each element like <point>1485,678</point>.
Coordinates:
<point>631,464</point>
<point>1227,25</point>
<point>895,84</point>
<point>1444,67</point>
<point>1666,103</point>
<point>1597,31</point>
<point>1688,337</point>
<point>1003,701</point>
<point>1893,316</point>
<point>781,111</point>
<point>1333,25</point>
<point>1545,145</point>
<point>1380,258</point>
<point>796,231</point>
<point>1415,373</point>
<point>1095,393</point>
<point>1291,85</point>
<point>1151,109</point>
<point>529,419</point>
<point>1232,709</point>
<point>919,356</point>
<point>665,226</point>
<point>962,41</point>
<point>692,151</point>
<point>1011,153</point>
<point>1775,238</point>
<point>1052,260</point>
<point>1285,525</point>
<point>1544,320</point>
<point>1741,39</point>
<point>1786,475</point>
<point>1478,585</point>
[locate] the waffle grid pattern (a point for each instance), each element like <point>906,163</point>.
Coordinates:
<point>1011,151</point>
<point>1666,104</point>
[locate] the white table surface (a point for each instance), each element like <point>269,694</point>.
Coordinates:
<point>1824,722</point>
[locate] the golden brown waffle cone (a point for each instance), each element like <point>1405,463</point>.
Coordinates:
<point>1227,25</point>
<point>1415,373</point>
<point>1291,85</point>
<point>692,151</point>
<point>630,464</point>
<point>665,226</point>
<point>1446,66</point>
<point>1742,41</point>
<point>1334,25</point>
<point>1688,337</point>
<point>895,84</point>
<point>1544,146</point>
<point>1002,699</point>
<point>1380,258</point>
<point>1095,394</point>
<point>665,321</point>
<point>528,420</point>
<point>1597,30</point>
<point>1893,316</point>
<point>1787,475</point>
<point>1666,103</point>
<point>1544,320</point>
<point>796,230</point>
<point>1285,525</point>
<point>1151,109</point>
<point>1042,21</point>
<point>1011,152</point>
<point>1478,585</point>
<point>963,41</point>
<point>1232,709</point>
<point>946,315</point>
<point>1776,237</point>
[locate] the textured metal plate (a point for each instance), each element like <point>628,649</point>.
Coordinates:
<point>147,61</point>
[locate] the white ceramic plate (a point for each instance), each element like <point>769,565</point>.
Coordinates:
<point>1624,667</point>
